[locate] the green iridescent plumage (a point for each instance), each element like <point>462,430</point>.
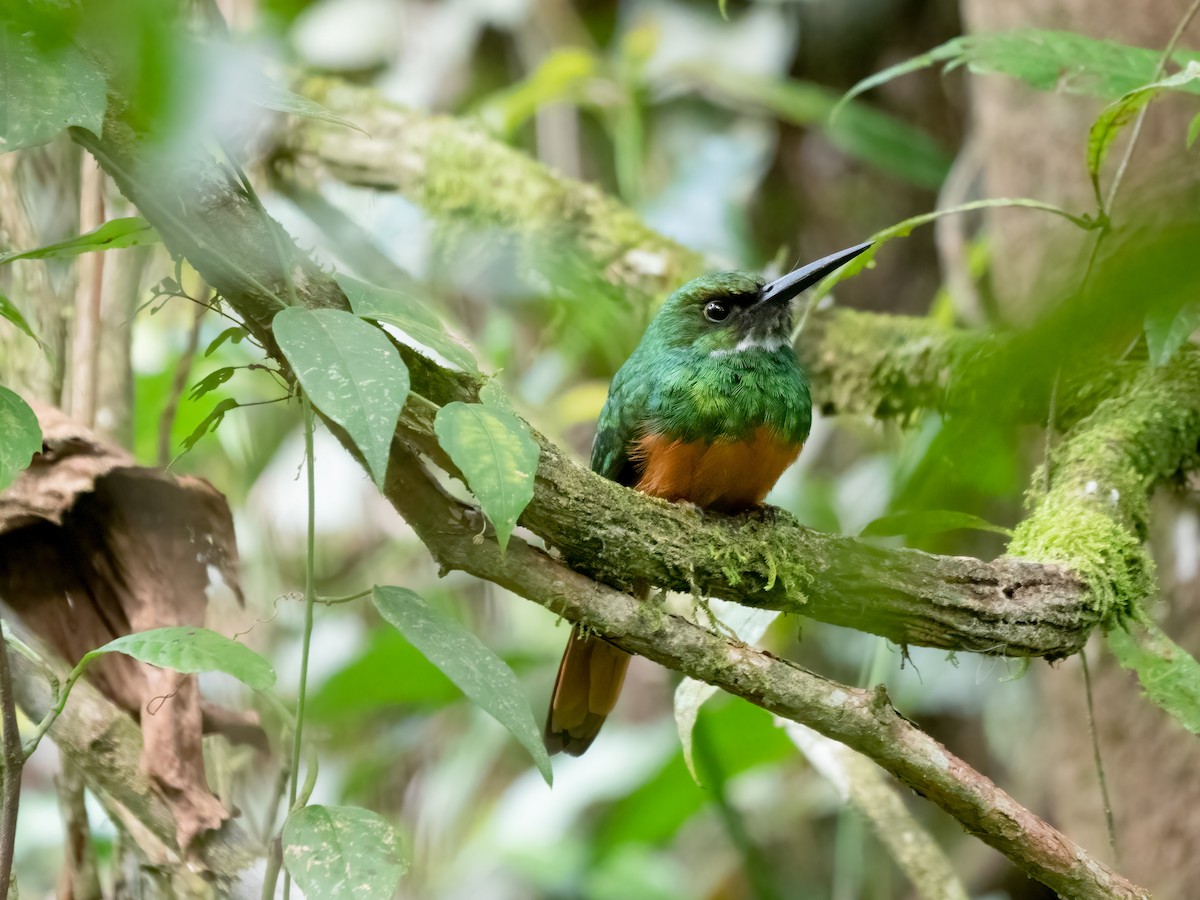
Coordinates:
<point>697,380</point>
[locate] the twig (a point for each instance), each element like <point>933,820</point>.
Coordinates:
<point>14,763</point>
<point>1104,797</point>
<point>183,370</point>
<point>85,342</point>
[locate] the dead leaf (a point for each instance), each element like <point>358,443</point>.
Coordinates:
<point>93,547</point>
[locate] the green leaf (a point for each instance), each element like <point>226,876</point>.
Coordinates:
<point>211,422</point>
<point>211,382</point>
<point>407,314</point>
<point>467,661</point>
<point>1114,117</point>
<point>342,853</point>
<point>20,436</point>
<point>1193,131</point>
<point>860,131</point>
<point>113,234</point>
<point>928,521</point>
<point>905,228</point>
<point>563,76</point>
<point>496,453</point>
<point>491,394</point>
<point>272,96</point>
<point>1059,61</point>
<point>190,649</point>
<point>353,374</point>
<point>44,88</point>
<point>8,310</point>
<point>1169,329</point>
<point>234,335</point>
<point>749,624</point>
<point>1169,675</point>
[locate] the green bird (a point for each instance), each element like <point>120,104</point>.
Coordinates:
<point>710,409</point>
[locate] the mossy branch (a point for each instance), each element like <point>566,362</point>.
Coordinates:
<point>617,536</point>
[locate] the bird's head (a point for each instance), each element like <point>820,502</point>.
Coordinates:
<point>728,312</point>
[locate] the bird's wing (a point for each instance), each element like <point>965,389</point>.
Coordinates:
<point>619,425</point>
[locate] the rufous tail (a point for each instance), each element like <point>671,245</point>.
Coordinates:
<point>589,681</point>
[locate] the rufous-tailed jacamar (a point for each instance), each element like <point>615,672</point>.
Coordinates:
<point>710,408</point>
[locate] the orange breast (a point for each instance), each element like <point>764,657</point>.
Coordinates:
<point>724,475</point>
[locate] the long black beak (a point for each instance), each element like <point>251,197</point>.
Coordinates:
<point>793,283</point>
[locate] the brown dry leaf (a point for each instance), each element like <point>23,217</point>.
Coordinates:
<point>93,547</point>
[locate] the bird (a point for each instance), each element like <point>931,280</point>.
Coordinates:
<point>710,409</point>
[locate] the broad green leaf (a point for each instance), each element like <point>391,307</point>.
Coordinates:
<point>928,521</point>
<point>1168,330</point>
<point>905,228</point>
<point>479,673</point>
<point>113,234</point>
<point>1059,61</point>
<point>44,88</point>
<point>749,624</point>
<point>8,310</point>
<point>353,374</point>
<point>272,96</point>
<point>409,315</point>
<point>234,335</point>
<point>190,649</point>
<point>20,436</point>
<point>562,77</point>
<point>1114,117</point>
<point>211,382</point>
<point>211,422</point>
<point>491,394</point>
<point>497,455</point>
<point>1169,675</point>
<point>860,131</point>
<point>343,853</point>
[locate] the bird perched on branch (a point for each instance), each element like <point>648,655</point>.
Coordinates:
<point>710,409</point>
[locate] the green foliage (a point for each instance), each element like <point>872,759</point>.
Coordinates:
<point>9,311</point>
<point>562,77</point>
<point>351,372</point>
<point>860,131</point>
<point>190,649</point>
<point>928,521</point>
<point>211,382</point>
<point>343,853</point>
<point>497,455</point>
<point>409,315</point>
<point>466,660</point>
<point>20,436</point>
<point>1168,329</point>
<point>46,85</point>
<point>1169,675</point>
<point>904,228</point>
<point>372,682</point>
<point>271,96</point>
<point>234,335</point>
<point>211,422</point>
<point>113,234</point>
<point>1046,60</point>
<point>1113,119</point>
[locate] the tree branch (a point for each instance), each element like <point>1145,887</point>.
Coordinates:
<point>105,745</point>
<point>215,227</point>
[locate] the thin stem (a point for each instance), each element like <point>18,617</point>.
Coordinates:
<point>14,762</point>
<point>1091,711</point>
<point>333,601</point>
<point>1136,131</point>
<point>183,369</point>
<point>309,604</point>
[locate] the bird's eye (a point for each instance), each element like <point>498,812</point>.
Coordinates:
<point>717,311</point>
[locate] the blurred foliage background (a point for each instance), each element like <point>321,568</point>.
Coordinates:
<point>717,132</point>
